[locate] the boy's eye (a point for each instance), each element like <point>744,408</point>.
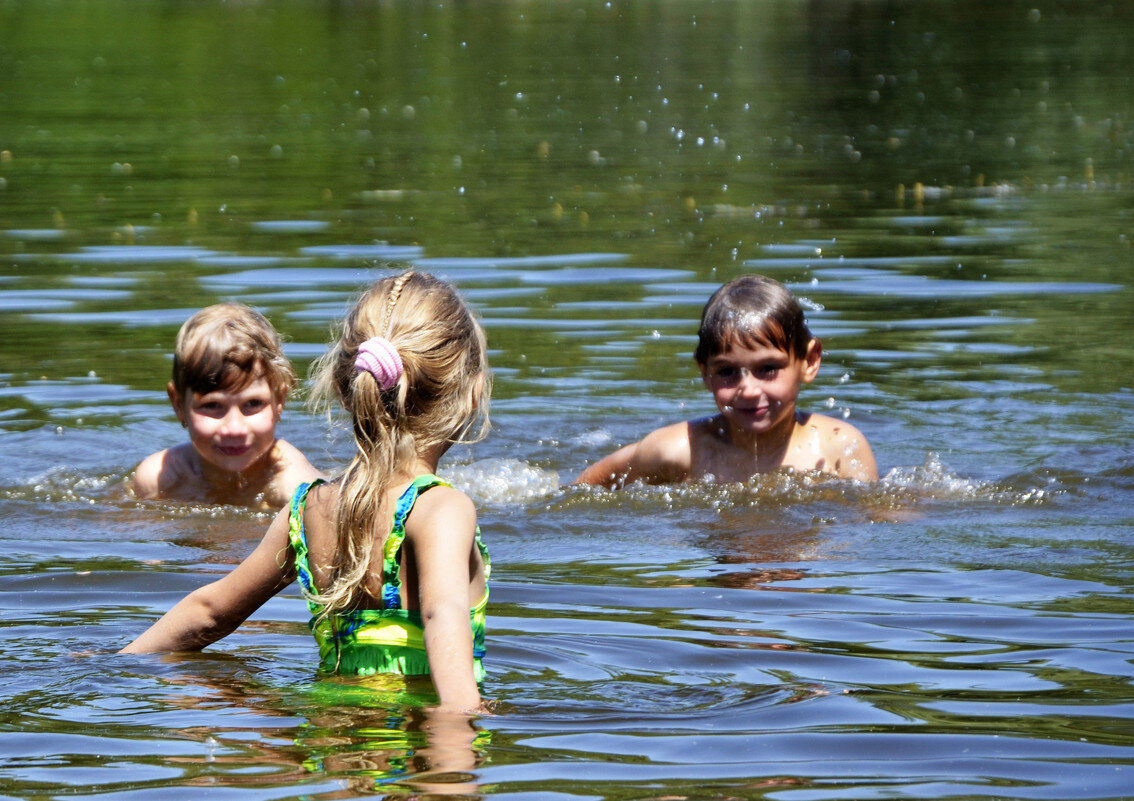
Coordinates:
<point>253,406</point>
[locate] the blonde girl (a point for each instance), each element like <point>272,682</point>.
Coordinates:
<point>388,556</point>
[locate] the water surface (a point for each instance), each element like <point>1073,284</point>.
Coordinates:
<point>946,185</point>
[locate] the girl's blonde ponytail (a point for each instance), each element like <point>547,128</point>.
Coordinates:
<point>436,401</point>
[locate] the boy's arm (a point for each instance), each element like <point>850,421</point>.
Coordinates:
<point>215,610</point>
<point>440,535</point>
<point>611,470</point>
<point>858,462</point>
<point>663,456</point>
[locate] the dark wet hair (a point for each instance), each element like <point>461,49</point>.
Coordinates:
<point>752,310</point>
<point>226,347</point>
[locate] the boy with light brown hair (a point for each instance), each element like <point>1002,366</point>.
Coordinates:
<point>230,382</point>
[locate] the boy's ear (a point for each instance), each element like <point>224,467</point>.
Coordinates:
<point>279,399</point>
<point>178,404</point>
<point>812,359</point>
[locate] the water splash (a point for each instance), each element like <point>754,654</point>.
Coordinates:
<point>931,477</point>
<point>503,481</point>
<point>64,486</point>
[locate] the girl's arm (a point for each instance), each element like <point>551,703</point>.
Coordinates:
<point>440,534</point>
<point>215,610</point>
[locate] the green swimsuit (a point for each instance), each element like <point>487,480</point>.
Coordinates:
<point>389,640</point>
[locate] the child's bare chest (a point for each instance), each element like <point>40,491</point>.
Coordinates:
<point>714,459</point>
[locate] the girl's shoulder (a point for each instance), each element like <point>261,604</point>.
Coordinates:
<point>441,508</point>
<point>320,499</point>
<point>442,497</point>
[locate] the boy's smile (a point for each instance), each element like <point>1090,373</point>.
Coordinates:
<point>755,387</point>
<point>232,430</point>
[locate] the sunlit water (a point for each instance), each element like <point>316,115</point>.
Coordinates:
<point>946,186</point>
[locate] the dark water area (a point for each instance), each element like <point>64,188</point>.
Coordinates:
<point>947,187</point>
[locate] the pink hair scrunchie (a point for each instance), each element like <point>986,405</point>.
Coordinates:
<point>380,358</point>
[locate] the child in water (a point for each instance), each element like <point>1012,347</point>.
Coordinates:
<point>754,352</point>
<point>388,556</point>
<point>230,381</point>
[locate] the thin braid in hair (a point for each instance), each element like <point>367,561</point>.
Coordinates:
<point>392,300</point>
<point>443,347</point>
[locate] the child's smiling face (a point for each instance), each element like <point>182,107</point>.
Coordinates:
<point>233,430</point>
<point>755,386</point>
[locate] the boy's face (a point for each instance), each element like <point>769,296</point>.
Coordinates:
<point>233,430</point>
<point>755,388</point>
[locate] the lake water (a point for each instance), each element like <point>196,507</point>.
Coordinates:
<point>946,184</point>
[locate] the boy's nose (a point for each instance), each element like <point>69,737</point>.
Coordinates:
<point>233,424</point>
<point>748,385</point>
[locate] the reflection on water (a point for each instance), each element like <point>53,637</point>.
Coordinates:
<point>946,186</point>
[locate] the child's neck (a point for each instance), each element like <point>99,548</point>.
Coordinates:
<point>768,448</point>
<point>242,484</point>
<point>424,463</point>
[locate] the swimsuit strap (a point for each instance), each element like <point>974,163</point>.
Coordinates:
<point>392,550</point>
<point>298,539</point>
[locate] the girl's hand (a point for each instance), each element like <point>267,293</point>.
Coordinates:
<point>211,612</point>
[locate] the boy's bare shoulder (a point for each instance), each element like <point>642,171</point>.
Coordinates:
<point>160,473</point>
<point>290,469</point>
<point>845,449</point>
<point>670,445</point>
<point>290,458</point>
<point>831,428</point>
<point>665,455</point>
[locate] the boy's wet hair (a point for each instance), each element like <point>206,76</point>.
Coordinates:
<point>752,310</point>
<point>226,347</point>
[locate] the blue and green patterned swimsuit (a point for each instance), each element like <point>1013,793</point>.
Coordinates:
<point>389,640</point>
